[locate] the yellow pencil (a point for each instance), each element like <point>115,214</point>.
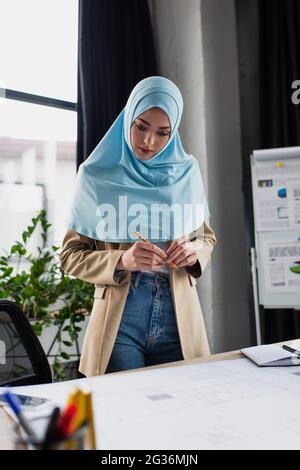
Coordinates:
<point>140,236</point>
<point>147,241</point>
<point>90,418</point>
<point>83,399</point>
<point>78,397</point>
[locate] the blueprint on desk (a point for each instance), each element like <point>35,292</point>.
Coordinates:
<point>230,404</point>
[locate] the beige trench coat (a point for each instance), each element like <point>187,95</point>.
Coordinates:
<point>95,261</point>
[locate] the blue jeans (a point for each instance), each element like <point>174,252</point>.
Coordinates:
<point>148,333</point>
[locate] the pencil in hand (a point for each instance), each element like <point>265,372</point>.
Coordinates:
<point>147,241</point>
<point>140,236</point>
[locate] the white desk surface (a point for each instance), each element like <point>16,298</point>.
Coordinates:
<point>6,422</point>
<point>223,401</point>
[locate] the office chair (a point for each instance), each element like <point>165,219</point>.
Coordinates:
<point>22,358</point>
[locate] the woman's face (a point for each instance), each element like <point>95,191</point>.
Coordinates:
<point>149,133</point>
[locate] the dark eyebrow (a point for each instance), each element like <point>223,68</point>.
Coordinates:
<point>145,122</point>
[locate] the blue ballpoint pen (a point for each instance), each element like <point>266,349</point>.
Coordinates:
<point>16,406</point>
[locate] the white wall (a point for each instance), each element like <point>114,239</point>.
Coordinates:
<point>197,49</point>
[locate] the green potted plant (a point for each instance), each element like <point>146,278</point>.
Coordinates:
<point>47,295</point>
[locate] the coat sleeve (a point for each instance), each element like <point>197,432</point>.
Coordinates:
<point>204,241</point>
<point>80,258</point>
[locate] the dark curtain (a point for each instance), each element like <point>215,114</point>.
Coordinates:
<point>279,67</point>
<point>115,52</point>
<point>279,61</point>
<point>247,42</point>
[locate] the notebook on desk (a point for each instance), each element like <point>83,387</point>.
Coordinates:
<point>269,355</point>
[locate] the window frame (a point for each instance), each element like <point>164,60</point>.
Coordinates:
<point>7,93</point>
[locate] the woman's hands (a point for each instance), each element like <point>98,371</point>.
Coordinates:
<point>142,255</point>
<point>182,253</point>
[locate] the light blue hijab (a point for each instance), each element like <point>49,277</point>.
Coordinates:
<point>117,193</point>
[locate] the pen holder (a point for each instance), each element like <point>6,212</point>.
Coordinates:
<point>74,441</point>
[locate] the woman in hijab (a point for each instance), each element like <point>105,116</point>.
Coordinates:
<point>138,230</point>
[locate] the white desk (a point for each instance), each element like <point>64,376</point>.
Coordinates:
<point>6,422</point>
<point>218,402</point>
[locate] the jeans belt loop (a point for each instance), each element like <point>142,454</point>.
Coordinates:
<point>137,280</point>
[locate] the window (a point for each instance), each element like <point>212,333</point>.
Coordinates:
<point>38,47</point>
<point>38,118</point>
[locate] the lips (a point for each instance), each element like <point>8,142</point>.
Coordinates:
<point>145,150</point>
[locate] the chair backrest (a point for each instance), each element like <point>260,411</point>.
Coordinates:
<point>22,358</point>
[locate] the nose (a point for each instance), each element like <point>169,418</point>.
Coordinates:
<point>149,139</point>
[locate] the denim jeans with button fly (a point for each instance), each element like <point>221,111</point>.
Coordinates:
<point>148,332</point>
